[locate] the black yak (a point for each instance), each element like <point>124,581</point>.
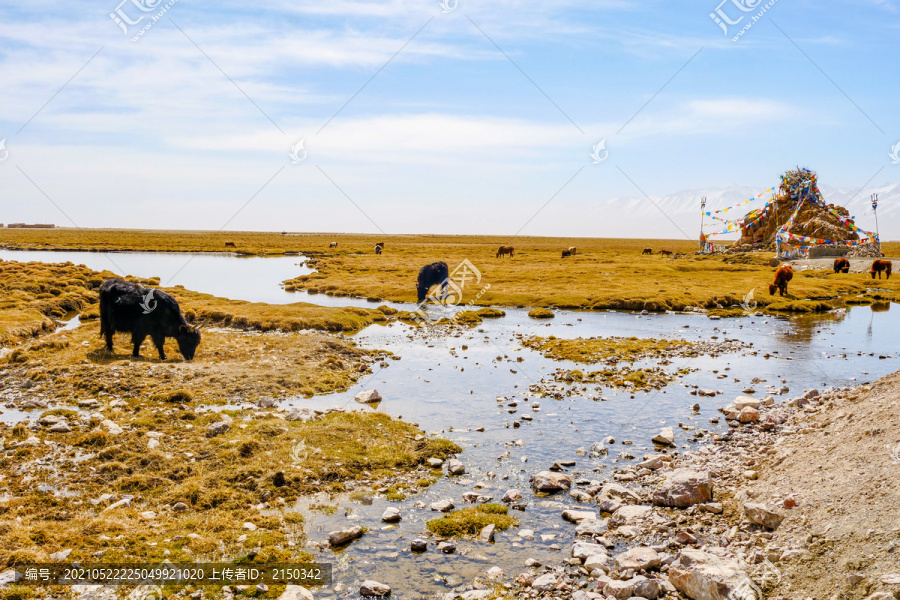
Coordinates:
<point>434,274</point>
<point>841,265</point>
<point>131,308</point>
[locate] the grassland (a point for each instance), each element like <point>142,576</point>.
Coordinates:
<point>614,349</point>
<point>605,273</point>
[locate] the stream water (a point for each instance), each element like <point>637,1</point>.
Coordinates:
<point>453,392</point>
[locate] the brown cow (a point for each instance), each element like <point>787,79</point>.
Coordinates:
<point>841,265</point>
<point>647,251</point>
<point>566,253</point>
<point>505,250</point>
<point>572,250</point>
<point>783,274</point>
<point>230,245</point>
<point>666,252</point>
<point>332,245</point>
<point>881,265</point>
<point>380,244</point>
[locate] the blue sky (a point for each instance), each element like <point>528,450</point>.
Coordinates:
<point>191,125</point>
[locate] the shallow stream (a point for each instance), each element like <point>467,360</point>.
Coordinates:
<point>452,392</point>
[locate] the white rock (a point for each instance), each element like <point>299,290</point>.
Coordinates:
<point>61,555</point>
<point>582,550</point>
<point>368,397</point>
<point>374,588</point>
<point>637,559</point>
<point>577,516</point>
<point>549,481</point>
<point>338,538</point>
<point>455,467</point>
<point>442,505</point>
<point>512,496</point>
<point>743,401</point>
<point>597,562</point>
<point>111,427</point>
<point>703,576</point>
<point>544,583</point>
<point>495,573</point>
<point>683,487</point>
<point>486,534</point>
<point>761,515</point>
<point>248,526</point>
<point>666,437</point>
<point>391,514</point>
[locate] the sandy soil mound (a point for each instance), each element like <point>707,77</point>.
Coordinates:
<point>842,468</point>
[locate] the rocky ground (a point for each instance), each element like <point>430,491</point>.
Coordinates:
<point>795,502</point>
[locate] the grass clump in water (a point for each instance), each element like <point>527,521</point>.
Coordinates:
<point>605,349</point>
<point>540,313</point>
<point>471,520</point>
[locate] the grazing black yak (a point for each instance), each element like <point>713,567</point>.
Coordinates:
<point>434,274</point>
<point>841,265</point>
<point>140,311</point>
<point>379,248</point>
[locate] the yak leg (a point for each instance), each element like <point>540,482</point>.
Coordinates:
<point>137,339</point>
<point>109,341</point>
<point>159,342</point>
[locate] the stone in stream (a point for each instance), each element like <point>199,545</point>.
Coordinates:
<point>652,463</point>
<point>487,533</point>
<point>548,481</point>
<point>512,496</point>
<point>577,516</point>
<point>583,550</point>
<point>391,515</point>
<point>741,401</point>
<point>374,588</point>
<point>447,547</point>
<point>706,392</point>
<point>682,488</point>
<point>638,559</point>
<point>295,592</point>
<point>435,463</point>
<point>761,515</point>
<point>455,467</point>
<point>418,545</point>
<point>60,427</point>
<point>442,506</point>
<point>495,573</point>
<point>592,527</point>
<point>339,538</point>
<point>665,437</point>
<point>368,397</point>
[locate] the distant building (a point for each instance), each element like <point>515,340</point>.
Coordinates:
<point>29,226</point>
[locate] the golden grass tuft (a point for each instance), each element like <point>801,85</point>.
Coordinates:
<point>471,520</point>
